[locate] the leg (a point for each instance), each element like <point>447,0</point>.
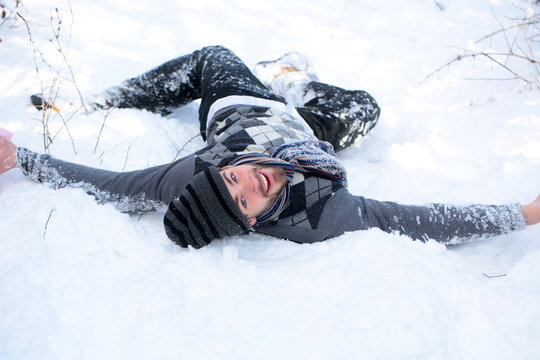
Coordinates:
<point>335,115</point>
<point>338,116</point>
<point>210,73</point>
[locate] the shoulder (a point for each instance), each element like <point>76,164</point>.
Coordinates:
<point>309,196</point>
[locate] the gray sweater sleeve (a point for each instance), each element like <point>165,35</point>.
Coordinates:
<point>446,224</point>
<point>142,190</point>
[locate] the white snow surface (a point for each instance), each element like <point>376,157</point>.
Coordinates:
<point>80,280</point>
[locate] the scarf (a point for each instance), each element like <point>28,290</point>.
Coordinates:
<point>306,156</point>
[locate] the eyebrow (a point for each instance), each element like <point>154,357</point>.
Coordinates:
<point>227,178</point>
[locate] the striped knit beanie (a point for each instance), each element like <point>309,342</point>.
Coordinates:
<point>204,211</point>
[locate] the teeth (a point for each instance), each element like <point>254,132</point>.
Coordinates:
<point>265,182</point>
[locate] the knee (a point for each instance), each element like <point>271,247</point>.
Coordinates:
<point>215,49</point>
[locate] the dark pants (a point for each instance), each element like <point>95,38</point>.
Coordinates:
<point>336,115</point>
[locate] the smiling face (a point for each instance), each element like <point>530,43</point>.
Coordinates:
<point>253,188</point>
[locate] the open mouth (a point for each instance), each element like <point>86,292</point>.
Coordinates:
<point>265,182</point>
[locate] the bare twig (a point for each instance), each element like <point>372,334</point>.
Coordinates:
<point>64,53</point>
<point>535,21</point>
<point>504,66</point>
<point>50,93</point>
<point>493,276</point>
<point>518,48</point>
<point>101,129</point>
<point>35,51</point>
<point>490,56</point>
<point>65,121</point>
<point>47,223</point>
<point>100,157</point>
<point>9,14</point>
<point>127,153</point>
<point>502,27</point>
<point>185,144</point>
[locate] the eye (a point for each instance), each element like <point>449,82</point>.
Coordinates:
<point>233,177</point>
<point>243,201</point>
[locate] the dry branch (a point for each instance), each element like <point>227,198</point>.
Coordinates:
<point>517,39</point>
<point>50,92</point>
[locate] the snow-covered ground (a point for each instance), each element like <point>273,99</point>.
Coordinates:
<point>82,281</point>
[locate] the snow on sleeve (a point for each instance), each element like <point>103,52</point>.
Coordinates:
<point>105,186</point>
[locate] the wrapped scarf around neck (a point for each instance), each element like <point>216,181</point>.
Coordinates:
<point>307,156</point>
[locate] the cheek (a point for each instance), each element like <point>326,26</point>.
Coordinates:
<point>280,177</point>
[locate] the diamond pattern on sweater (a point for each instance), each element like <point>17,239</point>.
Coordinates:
<point>316,189</point>
<point>244,129</point>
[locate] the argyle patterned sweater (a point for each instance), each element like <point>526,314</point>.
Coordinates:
<point>319,208</point>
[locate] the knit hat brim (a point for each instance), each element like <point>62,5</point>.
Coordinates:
<point>204,211</point>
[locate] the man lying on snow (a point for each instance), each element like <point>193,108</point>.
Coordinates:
<point>267,166</point>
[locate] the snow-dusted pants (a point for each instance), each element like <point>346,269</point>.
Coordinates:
<point>335,115</point>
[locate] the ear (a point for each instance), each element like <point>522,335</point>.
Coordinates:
<point>252,221</point>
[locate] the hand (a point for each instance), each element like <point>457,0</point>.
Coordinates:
<point>531,212</point>
<point>8,157</point>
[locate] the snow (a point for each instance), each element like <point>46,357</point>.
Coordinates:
<point>81,280</point>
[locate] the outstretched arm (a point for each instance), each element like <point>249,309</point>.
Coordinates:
<point>133,191</point>
<point>447,224</point>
